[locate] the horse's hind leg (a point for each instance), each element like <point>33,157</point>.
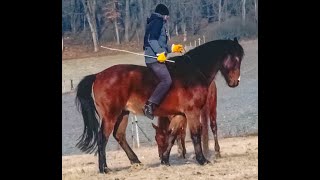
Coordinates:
<point>119,133</point>
<point>103,137</point>
<point>183,138</point>
<point>204,125</point>
<point>195,131</point>
<point>102,143</point>
<point>213,125</point>
<point>179,144</point>
<point>104,133</point>
<point>213,117</point>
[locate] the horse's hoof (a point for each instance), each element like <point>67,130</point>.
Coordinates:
<point>105,170</point>
<point>140,164</point>
<point>166,163</point>
<point>136,161</point>
<point>217,155</point>
<point>207,162</point>
<point>137,165</point>
<point>203,161</point>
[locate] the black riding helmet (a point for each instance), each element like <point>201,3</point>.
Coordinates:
<point>162,9</point>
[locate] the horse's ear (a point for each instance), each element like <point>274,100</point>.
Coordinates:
<point>154,126</point>
<point>235,39</point>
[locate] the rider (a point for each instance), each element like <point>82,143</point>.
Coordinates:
<point>155,44</point>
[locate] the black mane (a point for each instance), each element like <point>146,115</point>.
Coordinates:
<point>204,58</point>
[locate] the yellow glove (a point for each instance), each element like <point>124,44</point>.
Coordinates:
<point>176,48</point>
<point>161,57</point>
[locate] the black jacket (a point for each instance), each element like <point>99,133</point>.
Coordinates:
<point>155,34</point>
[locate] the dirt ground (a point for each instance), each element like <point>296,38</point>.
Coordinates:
<point>239,161</point>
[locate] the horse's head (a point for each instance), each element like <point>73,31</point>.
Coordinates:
<point>161,139</point>
<point>231,63</point>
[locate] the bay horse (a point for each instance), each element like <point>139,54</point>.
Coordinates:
<point>105,99</point>
<point>176,126</point>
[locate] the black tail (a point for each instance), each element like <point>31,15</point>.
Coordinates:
<point>85,104</point>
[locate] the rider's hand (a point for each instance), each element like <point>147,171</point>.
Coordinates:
<point>161,57</point>
<point>176,48</point>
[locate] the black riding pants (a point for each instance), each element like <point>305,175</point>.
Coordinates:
<point>161,71</point>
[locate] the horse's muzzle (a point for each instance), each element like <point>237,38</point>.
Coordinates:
<point>234,83</point>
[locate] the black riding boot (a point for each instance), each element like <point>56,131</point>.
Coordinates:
<point>148,110</point>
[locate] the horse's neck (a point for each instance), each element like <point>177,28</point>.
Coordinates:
<point>208,68</point>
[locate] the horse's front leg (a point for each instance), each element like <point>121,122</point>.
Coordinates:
<point>165,156</point>
<point>195,132</point>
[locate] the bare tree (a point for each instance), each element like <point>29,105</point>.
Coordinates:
<point>225,9</point>
<point>183,9</point>
<point>73,16</point>
<point>90,11</point>
<point>128,17</point>
<point>62,44</point>
<point>219,15</point>
<point>195,16</point>
<point>112,13</point>
<point>126,25</point>
<point>141,18</point>
<point>256,10</point>
<point>243,11</point>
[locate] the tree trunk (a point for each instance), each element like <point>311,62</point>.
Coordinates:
<point>90,10</point>
<point>176,27</point>
<point>141,19</point>
<point>225,7</point>
<point>208,11</point>
<point>192,21</point>
<point>219,15</point>
<point>84,23</point>
<point>117,30</point>
<point>137,34</point>
<point>73,16</point>
<point>126,28</point>
<point>133,28</point>
<point>183,23</point>
<point>168,31</point>
<point>255,10</point>
<point>116,25</point>
<point>243,11</point>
